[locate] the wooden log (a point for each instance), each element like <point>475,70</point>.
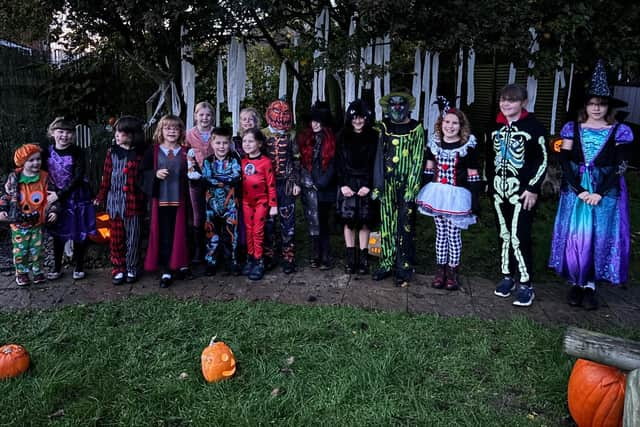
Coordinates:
<point>631,417</point>
<point>617,352</point>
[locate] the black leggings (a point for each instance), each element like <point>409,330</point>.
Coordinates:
<point>79,249</point>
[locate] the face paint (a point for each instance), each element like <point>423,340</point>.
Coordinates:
<point>279,116</point>
<point>398,109</point>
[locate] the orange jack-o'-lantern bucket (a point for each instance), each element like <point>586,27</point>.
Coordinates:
<point>102,228</point>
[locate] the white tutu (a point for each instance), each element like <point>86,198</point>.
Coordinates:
<point>436,199</point>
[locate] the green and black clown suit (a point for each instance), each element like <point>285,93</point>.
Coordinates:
<point>519,164</point>
<point>396,181</point>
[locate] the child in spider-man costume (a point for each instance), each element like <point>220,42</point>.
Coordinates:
<point>281,148</point>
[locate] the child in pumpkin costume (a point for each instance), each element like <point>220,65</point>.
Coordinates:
<point>27,205</point>
<point>121,189</point>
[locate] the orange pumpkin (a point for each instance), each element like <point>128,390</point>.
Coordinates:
<point>14,360</point>
<point>217,361</point>
<point>596,394</point>
<point>102,228</point>
<point>556,145</point>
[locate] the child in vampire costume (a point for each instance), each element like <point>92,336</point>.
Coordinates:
<point>396,181</point>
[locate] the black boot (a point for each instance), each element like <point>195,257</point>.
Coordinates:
<point>363,263</point>
<point>315,251</point>
<point>350,267</point>
<point>246,270</point>
<point>198,244</point>
<point>326,263</point>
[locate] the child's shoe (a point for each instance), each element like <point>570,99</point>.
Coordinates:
<point>185,273</point>
<point>525,296</point>
<point>590,301</point>
<point>246,270</point>
<point>210,270</point>
<point>363,263</point>
<point>381,274</point>
<point>257,272</point>
<point>452,279</point>
<point>118,278</point>
<point>575,295</point>
<point>22,279</point>
<point>131,277</point>
<point>440,277</point>
<point>288,267</point>
<point>350,267</point>
<point>39,278</point>
<point>78,275</point>
<point>54,275</point>
<point>166,280</point>
<point>505,287</point>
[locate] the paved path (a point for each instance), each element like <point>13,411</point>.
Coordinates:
<point>619,306</point>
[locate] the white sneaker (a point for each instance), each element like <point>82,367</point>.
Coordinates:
<point>54,275</point>
<point>78,275</point>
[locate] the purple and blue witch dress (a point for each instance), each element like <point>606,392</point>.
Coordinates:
<point>592,243</point>
<point>77,215</point>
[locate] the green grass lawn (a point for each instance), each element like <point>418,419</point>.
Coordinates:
<point>120,364</point>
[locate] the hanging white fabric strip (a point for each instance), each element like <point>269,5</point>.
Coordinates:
<point>377,90</point>
<point>471,72</point>
<point>459,77</point>
<point>434,111</point>
<point>219,89</point>
<point>426,88</point>
<point>386,55</point>
<point>368,60</point>
<point>188,72</point>
<point>416,89</point>
<point>512,74</point>
<point>349,77</point>
<point>532,82</point>
<point>161,95</point>
<point>176,106</point>
<point>557,84</point>
<point>296,84</point>
<point>282,87</point>
<point>241,73</point>
<point>569,88</point>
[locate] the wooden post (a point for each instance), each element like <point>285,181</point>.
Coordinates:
<point>612,351</point>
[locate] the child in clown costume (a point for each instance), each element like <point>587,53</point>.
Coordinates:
<point>281,148</point>
<point>396,181</point>
<point>28,205</point>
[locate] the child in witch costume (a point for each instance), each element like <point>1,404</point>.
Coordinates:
<point>317,145</point>
<point>122,194</point>
<point>165,180</point>
<point>281,148</point>
<point>258,199</point>
<point>65,164</point>
<point>198,140</point>
<point>28,205</point>
<point>398,168</point>
<point>591,236</point>
<point>453,185</point>
<point>515,176</point>
<point>221,175</point>
<point>355,156</point>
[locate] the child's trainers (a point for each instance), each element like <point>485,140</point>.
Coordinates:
<point>22,279</point>
<point>39,278</point>
<point>525,296</point>
<point>505,287</point>
<point>78,275</point>
<point>54,275</point>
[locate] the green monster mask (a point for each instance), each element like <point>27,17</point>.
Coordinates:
<point>398,105</point>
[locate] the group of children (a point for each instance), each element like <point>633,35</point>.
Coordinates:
<point>224,193</point>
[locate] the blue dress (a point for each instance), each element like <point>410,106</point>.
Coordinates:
<point>592,243</point>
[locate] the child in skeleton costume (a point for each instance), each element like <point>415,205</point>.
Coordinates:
<point>591,236</point>
<point>515,176</point>
<point>281,148</point>
<point>197,139</point>
<point>28,205</point>
<point>221,173</point>
<point>121,189</point>
<point>397,175</point>
<point>64,161</point>
<point>355,156</point>
<point>452,187</point>
<point>317,145</point>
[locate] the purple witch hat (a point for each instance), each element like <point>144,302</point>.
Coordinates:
<point>600,87</point>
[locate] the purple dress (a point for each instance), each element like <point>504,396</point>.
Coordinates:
<point>592,243</point>
<point>76,216</point>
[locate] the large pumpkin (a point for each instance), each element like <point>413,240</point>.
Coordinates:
<point>14,360</point>
<point>217,361</point>
<point>596,394</point>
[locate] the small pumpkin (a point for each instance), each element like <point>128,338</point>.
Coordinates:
<point>596,394</point>
<point>218,362</point>
<point>14,360</point>
<point>556,145</point>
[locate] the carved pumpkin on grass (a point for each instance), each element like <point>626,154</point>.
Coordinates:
<point>218,362</point>
<point>14,360</point>
<point>596,394</point>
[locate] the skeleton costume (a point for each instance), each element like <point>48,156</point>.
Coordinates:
<point>398,168</point>
<point>519,164</point>
<point>283,152</point>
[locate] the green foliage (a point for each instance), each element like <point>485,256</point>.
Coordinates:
<point>121,364</point>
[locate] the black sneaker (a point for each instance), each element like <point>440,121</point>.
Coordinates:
<point>381,274</point>
<point>288,267</point>
<point>185,273</point>
<point>210,270</point>
<point>246,270</point>
<point>165,281</point>
<point>590,300</point>
<point>118,279</point>
<point>575,296</point>
<point>257,272</point>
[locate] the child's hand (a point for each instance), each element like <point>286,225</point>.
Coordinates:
<point>162,173</point>
<point>273,211</point>
<point>191,154</point>
<point>194,175</point>
<point>52,217</point>
<point>4,216</point>
<point>363,191</point>
<point>52,197</point>
<point>346,191</point>
<point>296,189</point>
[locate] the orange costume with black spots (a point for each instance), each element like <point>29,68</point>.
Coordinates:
<point>258,195</point>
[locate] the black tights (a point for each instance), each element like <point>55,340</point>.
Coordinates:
<point>79,249</point>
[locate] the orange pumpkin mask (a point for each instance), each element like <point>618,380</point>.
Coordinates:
<point>596,394</point>
<point>279,116</point>
<point>14,360</point>
<point>218,362</point>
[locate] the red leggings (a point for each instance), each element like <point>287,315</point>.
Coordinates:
<point>255,216</point>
